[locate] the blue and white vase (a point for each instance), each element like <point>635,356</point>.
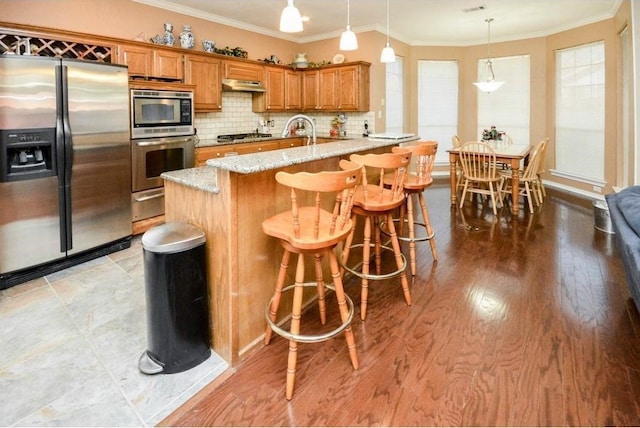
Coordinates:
<point>187,40</point>
<point>168,38</point>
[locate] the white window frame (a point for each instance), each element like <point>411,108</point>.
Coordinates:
<point>438,84</point>
<point>509,107</point>
<point>394,95</point>
<point>580,113</point>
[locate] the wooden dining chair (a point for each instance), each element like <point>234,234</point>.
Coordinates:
<point>319,219</point>
<point>528,179</point>
<point>541,169</point>
<point>456,143</point>
<point>480,175</point>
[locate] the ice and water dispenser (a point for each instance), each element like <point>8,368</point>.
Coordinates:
<point>27,154</point>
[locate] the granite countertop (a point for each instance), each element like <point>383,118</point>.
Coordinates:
<point>209,142</point>
<point>205,177</point>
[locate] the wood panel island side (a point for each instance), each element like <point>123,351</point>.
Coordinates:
<point>228,199</point>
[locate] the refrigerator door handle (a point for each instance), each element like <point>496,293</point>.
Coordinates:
<point>65,157</point>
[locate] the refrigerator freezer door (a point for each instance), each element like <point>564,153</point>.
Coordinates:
<point>29,209</point>
<point>100,180</point>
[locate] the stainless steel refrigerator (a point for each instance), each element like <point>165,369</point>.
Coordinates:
<point>65,164</point>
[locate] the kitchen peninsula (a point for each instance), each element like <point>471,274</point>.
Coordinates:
<point>228,199</point>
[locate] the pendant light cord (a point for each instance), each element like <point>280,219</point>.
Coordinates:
<point>387,22</point>
<point>488,21</point>
<point>489,64</point>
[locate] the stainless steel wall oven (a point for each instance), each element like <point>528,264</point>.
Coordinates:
<point>163,140</point>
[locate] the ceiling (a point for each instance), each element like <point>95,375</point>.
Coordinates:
<point>415,22</point>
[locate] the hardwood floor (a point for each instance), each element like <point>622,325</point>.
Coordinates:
<point>521,322</point>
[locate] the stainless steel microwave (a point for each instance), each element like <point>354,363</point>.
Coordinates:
<point>156,113</point>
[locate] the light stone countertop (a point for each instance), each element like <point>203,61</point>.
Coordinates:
<point>212,142</point>
<point>205,177</point>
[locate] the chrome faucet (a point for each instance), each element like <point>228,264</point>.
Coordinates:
<point>312,122</point>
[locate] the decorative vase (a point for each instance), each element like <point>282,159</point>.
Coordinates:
<point>168,38</point>
<point>301,60</point>
<point>187,40</point>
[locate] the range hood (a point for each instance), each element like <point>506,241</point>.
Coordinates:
<point>242,85</point>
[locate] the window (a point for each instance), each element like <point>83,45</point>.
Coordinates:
<point>438,104</point>
<point>395,96</point>
<point>580,113</point>
<point>508,107</point>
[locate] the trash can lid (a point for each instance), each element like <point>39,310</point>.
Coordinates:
<point>172,237</point>
<point>600,204</point>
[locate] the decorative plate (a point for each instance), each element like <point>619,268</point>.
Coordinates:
<point>338,58</point>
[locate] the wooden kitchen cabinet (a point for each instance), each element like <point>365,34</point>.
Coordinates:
<point>320,89</point>
<point>138,59</point>
<point>236,69</point>
<point>284,91</point>
<point>337,88</point>
<point>310,88</point>
<point>217,151</point>
<point>151,62</point>
<point>353,84</point>
<point>292,90</point>
<point>273,99</point>
<point>291,142</point>
<point>168,64</point>
<point>204,73</point>
<point>256,147</point>
<point>328,89</point>
<point>211,152</point>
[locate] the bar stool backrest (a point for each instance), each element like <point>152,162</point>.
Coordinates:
<point>423,156</point>
<point>375,166</point>
<point>310,216</point>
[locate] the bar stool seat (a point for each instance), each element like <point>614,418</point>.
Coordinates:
<point>417,181</point>
<point>312,230</point>
<point>372,202</point>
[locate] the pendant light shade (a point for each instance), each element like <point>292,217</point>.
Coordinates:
<point>489,84</point>
<point>388,54</point>
<point>290,20</point>
<point>348,41</point>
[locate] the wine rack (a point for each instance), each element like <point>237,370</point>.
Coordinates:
<point>17,44</point>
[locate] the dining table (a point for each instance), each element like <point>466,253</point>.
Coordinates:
<point>509,154</point>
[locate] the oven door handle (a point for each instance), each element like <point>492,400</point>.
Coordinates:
<point>147,198</point>
<point>162,142</point>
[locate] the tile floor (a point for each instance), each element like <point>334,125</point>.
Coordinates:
<point>69,349</point>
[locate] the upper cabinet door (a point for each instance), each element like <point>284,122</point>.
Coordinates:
<point>204,73</point>
<point>293,90</point>
<point>168,64</point>
<point>328,89</point>
<point>275,84</point>
<point>138,59</point>
<point>310,87</point>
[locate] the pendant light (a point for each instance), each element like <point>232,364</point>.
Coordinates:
<point>490,84</point>
<point>388,55</point>
<point>290,19</point>
<point>348,41</point>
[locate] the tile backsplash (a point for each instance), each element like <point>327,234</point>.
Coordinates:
<point>236,117</point>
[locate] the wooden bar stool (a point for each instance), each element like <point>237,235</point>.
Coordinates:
<point>373,201</point>
<point>418,179</point>
<point>312,230</point>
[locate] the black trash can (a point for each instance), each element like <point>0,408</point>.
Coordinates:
<point>176,297</point>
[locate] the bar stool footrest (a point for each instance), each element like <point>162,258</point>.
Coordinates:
<point>406,238</point>
<point>307,338</point>
<point>372,276</point>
